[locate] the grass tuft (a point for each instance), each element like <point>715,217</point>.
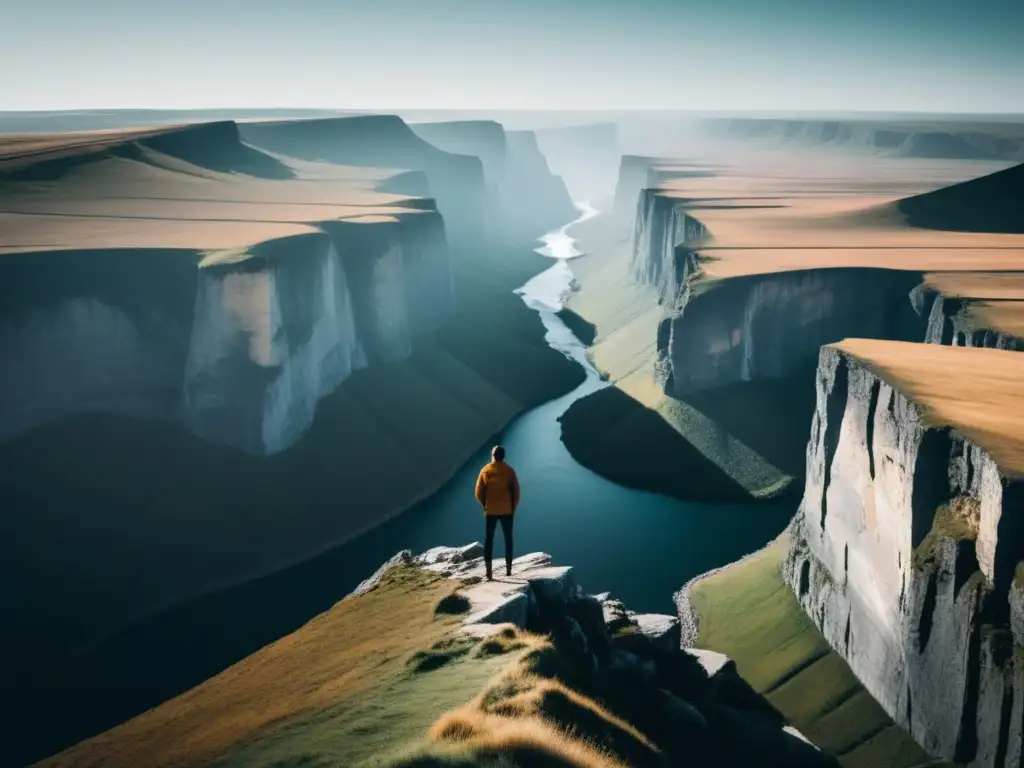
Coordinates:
<point>452,604</point>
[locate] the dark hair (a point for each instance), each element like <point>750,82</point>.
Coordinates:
<point>498,453</point>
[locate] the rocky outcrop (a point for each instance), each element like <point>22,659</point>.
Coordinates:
<point>950,323</point>
<point>240,352</point>
<point>904,551</point>
<point>599,640</point>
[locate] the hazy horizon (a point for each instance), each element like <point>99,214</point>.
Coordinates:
<point>907,56</point>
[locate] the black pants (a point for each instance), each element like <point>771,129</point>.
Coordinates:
<point>506,531</point>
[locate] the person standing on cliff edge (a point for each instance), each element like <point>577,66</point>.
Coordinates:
<point>497,490</point>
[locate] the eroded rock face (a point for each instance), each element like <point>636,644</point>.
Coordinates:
<point>663,247</point>
<point>725,718</point>
<point>949,324</point>
<point>771,326</point>
<point>903,554</point>
<point>246,350</point>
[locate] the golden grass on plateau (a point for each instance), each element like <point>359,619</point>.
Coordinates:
<point>774,212</point>
<point>979,392</point>
<point>996,286</point>
<point>520,711</point>
<point>151,200</point>
<point>335,656</point>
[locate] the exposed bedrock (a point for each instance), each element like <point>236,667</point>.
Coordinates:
<point>242,352</point>
<point>103,331</point>
<point>904,552</point>
<point>456,180</point>
<point>950,323</point>
<point>772,325</point>
<point>665,237</point>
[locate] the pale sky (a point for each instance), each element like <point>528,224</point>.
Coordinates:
<point>904,55</point>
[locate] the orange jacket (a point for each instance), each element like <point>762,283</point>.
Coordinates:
<point>497,489</point>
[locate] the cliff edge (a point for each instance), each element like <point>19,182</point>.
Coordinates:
<point>523,671</point>
<point>909,535</point>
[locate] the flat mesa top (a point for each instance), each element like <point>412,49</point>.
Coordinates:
<point>786,213</point>
<point>99,199</point>
<point>978,392</point>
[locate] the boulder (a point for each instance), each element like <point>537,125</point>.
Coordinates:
<point>552,584</point>
<point>712,661</point>
<point>508,609</point>
<point>402,558</point>
<point>662,631</point>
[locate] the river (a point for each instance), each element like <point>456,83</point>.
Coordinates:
<point>640,546</point>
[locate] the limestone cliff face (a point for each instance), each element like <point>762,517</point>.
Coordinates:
<point>771,326</point>
<point>949,323</point>
<point>663,247</point>
<point>904,551</point>
<point>245,350</point>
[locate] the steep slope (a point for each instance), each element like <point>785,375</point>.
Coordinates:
<point>909,535</point>
<point>527,169</point>
<point>522,672</point>
<point>993,203</point>
<point>586,156</point>
<point>457,181</point>
<point>524,196</point>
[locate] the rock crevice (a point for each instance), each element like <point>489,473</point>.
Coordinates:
<point>915,562</point>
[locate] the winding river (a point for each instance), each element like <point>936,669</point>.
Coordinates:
<point>640,546</point>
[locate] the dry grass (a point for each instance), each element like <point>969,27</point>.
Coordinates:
<point>772,212</point>
<point>331,659</point>
<point>526,709</point>
<point>1000,286</point>
<point>139,197</point>
<point>958,520</point>
<point>1003,316</point>
<point>527,742</point>
<point>976,391</point>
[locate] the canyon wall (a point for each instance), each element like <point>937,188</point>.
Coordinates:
<point>904,552</point>
<point>718,332</point>
<point>936,138</point>
<point>243,360</point>
<point>524,198</point>
<point>949,323</point>
<point>385,141</point>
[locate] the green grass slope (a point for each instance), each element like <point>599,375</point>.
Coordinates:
<point>749,614</point>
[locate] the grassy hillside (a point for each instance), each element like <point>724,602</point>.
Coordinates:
<point>749,614</point>
<point>383,680</point>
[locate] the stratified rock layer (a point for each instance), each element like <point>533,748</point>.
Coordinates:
<point>904,553</point>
